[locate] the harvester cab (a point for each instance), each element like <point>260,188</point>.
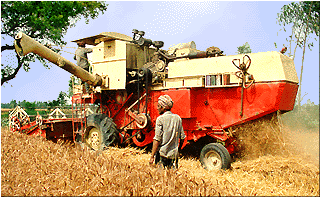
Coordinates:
<point>122,60</point>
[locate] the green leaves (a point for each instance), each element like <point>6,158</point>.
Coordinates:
<point>312,7</point>
<point>244,49</point>
<point>304,18</point>
<point>62,98</point>
<point>301,15</point>
<point>45,21</point>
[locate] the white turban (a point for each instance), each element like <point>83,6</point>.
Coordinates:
<point>165,101</point>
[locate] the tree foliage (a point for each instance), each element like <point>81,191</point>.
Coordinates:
<point>70,89</point>
<point>62,98</point>
<point>303,18</point>
<point>244,49</point>
<point>61,101</point>
<point>314,8</point>
<point>45,21</point>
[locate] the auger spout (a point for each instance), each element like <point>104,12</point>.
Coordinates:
<point>25,44</point>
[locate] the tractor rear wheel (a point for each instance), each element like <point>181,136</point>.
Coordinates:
<point>215,156</point>
<point>101,132</point>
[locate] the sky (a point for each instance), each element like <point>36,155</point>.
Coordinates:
<point>223,24</point>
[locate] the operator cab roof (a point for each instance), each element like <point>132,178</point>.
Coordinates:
<point>104,36</point>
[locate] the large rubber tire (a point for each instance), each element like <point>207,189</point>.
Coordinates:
<point>101,132</point>
<point>215,156</point>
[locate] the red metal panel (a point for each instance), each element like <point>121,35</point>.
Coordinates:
<point>182,105</point>
<point>288,96</point>
<point>181,99</point>
<point>221,106</point>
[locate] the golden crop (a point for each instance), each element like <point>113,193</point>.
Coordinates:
<point>33,166</point>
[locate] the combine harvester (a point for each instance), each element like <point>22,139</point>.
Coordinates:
<point>211,93</point>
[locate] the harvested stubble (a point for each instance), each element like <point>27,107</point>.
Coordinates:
<point>34,166</point>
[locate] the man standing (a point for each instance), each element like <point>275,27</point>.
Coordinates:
<point>168,131</point>
<point>82,58</point>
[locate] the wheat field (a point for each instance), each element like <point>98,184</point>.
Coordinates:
<point>271,163</point>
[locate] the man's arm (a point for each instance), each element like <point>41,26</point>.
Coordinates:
<point>155,146</point>
<point>180,144</point>
<point>158,132</point>
<point>182,135</point>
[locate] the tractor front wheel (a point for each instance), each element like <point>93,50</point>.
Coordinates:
<point>101,132</point>
<point>215,156</point>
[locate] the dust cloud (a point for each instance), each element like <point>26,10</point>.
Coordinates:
<point>305,142</point>
<point>277,136</point>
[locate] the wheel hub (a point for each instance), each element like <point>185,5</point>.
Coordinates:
<point>94,139</point>
<point>213,160</point>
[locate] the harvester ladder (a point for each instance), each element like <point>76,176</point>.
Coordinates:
<point>78,115</point>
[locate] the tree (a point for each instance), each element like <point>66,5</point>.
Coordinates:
<point>70,90</point>
<point>13,104</point>
<point>244,49</point>
<point>52,104</point>
<point>45,21</point>
<point>30,108</point>
<point>5,106</point>
<point>304,18</point>
<point>22,103</point>
<point>61,98</point>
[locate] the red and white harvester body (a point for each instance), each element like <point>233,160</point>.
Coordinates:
<point>211,93</point>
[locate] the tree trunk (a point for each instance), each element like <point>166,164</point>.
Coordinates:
<point>304,50</point>
<point>13,75</point>
<point>300,83</point>
<point>295,49</point>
